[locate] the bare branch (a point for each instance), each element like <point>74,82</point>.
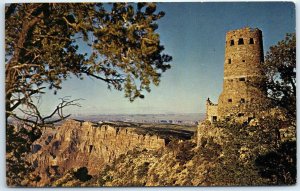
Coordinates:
<point>35,117</point>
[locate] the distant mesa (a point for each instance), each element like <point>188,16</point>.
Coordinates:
<point>191,119</point>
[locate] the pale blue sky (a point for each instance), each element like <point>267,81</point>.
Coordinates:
<point>274,19</point>
<point>194,34</point>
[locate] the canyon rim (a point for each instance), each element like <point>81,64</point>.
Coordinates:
<point>150,94</point>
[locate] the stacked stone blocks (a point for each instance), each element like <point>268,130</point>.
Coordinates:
<point>241,95</point>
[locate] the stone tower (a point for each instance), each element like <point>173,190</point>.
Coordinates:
<point>242,70</point>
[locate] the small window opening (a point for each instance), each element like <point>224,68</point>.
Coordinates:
<point>240,114</point>
<point>231,42</point>
<point>229,61</point>
<point>242,100</point>
<point>242,79</point>
<point>241,41</point>
<point>229,100</point>
<point>243,60</point>
<point>214,118</point>
<point>251,41</point>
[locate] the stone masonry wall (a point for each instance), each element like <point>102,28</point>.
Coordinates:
<point>243,58</point>
<point>211,111</point>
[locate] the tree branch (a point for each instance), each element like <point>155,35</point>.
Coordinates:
<point>20,101</point>
<point>33,112</point>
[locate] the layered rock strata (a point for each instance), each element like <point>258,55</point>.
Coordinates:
<point>76,144</point>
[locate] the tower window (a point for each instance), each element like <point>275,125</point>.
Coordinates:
<point>242,100</point>
<point>241,41</point>
<point>242,79</point>
<point>243,60</point>
<point>214,118</point>
<point>229,61</point>
<point>251,41</point>
<point>231,42</point>
<point>229,100</point>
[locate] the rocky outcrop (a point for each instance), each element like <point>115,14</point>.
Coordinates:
<point>149,168</point>
<point>77,144</point>
<point>207,131</point>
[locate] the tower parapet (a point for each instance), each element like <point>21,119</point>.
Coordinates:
<point>211,111</point>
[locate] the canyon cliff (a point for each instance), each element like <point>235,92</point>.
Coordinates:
<point>77,144</point>
<point>86,154</point>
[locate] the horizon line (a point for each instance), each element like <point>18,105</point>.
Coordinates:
<point>140,113</point>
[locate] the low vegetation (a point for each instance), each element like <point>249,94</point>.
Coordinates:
<point>247,155</point>
<point>262,152</point>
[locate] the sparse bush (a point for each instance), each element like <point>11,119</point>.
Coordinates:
<point>184,151</point>
<point>143,170</point>
<point>82,174</point>
<point>279,165</point>
<point>155,178</point>
<point>19,139</point>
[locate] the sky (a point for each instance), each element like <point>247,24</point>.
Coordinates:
<point>194,35</point>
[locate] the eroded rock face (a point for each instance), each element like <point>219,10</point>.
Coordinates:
<point>207,131</point>
<point>84,144</point>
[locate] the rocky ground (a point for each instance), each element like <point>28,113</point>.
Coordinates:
<point>79,153</point>
<point>79,144</point>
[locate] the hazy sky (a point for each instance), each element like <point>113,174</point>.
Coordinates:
<point>194,34</point>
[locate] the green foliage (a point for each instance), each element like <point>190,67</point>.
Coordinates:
<point>19,139</point>
<point>42,50</point>
<point>126,170</point>
<point>243,157</point>
<point>209,150</point>
<point>233,161</point>
<point>250,155</point>
<point>82,174</point>
<point>280,70</point>
<point>43,39</point>
<point>143,170</point>
<point>279,165</point>
<point>184,151</point>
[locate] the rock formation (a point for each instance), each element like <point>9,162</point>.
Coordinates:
<point>83,144</point>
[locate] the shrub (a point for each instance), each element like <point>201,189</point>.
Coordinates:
<point>82,174</point>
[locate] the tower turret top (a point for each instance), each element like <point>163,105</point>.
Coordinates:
<point>243,30</point>
<point>250,34</point>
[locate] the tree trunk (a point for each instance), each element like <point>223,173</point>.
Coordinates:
<point>11,75</point>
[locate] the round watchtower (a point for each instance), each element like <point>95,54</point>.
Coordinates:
<point>242,69</point>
